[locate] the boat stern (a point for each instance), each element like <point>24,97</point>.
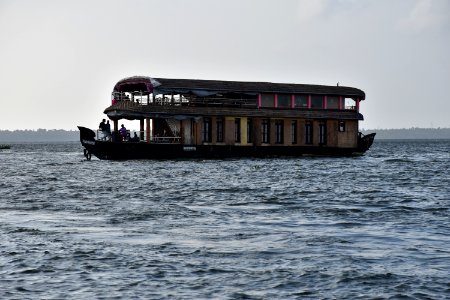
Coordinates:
<point>87,139</point>
<point>365,141</point>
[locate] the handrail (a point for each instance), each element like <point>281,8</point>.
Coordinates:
<point>213,102</point>
<point>165,139</point>
<point>103,136</point>
<point>206,101</point>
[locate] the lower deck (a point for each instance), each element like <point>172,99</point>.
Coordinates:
<point>227,137</point>
<point>243,131</point>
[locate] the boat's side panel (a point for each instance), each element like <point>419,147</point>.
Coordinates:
<point>119,151</point>
<point>348,137</point>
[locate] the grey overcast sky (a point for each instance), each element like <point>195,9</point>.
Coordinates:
<point>60,59</point>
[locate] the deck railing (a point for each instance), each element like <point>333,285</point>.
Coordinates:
<point>166,140</point>
<point>141,137</point>
<point>211,102</point>
<point>195,101</point>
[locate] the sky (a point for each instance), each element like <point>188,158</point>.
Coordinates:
<point>60,59</point>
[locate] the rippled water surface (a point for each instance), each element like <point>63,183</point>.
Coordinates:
<point>375,226</point>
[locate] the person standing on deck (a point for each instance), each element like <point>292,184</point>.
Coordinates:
<point>102,128</point>
<point>123,132</point>
<point>107,131</point>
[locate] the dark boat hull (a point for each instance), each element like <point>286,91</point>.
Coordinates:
<point>142,150</point>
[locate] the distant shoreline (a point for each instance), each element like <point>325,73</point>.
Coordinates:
<point>40,135</point>
<point>411,134</point>
<point>59,135</point>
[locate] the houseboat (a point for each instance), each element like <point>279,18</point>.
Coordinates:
<point>192,118</point>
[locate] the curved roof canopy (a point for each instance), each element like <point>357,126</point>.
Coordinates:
<point>202,87</point>
<point>135,83</point>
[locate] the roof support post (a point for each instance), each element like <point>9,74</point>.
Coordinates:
<point>340,103</point>
<point>276,101</point>
<point>141,129</point>
<point>148,130</point>
<point>259,101</point>
<point>292,101</point>
<point>325,100</point>
<point>116,128</point>
<point>309,101</point>
<point>116,125</point>
<point>357,104</point>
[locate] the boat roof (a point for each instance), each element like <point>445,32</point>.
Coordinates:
<point>203,87</point>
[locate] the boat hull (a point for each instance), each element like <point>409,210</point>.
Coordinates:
<point>143,150</point>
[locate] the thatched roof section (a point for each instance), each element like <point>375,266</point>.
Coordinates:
<point>200,86</point>
<point>257,87</point>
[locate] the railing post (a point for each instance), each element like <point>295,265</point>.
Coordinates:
<point>141,129</point>
<point>148,130</point>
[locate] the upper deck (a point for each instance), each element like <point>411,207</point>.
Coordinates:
<point>137,97</point>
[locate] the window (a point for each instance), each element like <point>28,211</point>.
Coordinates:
<point>206,130</point>
<point>265,125</point>
<point>294,132</point>
<point>301,101</point>
<point>316,101</point>
<point>349,103</point>
<point>279,131</point>
<point>219,130</point>
<point>308,133</point>
<point>323,133</point>
<point>341,126</point>
<point>237,130</point>
<point>249,131</point>
<point>284,101</point>
<point>333,102</point>
<point>267,100</point>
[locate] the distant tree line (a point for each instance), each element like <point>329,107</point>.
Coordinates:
<point>60,135</point>
<point>413,133</point>
<point>39,135</point>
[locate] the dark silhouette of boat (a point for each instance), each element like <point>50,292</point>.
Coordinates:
<point>191,118</point>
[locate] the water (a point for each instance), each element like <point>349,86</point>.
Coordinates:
<point>306,228</point>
